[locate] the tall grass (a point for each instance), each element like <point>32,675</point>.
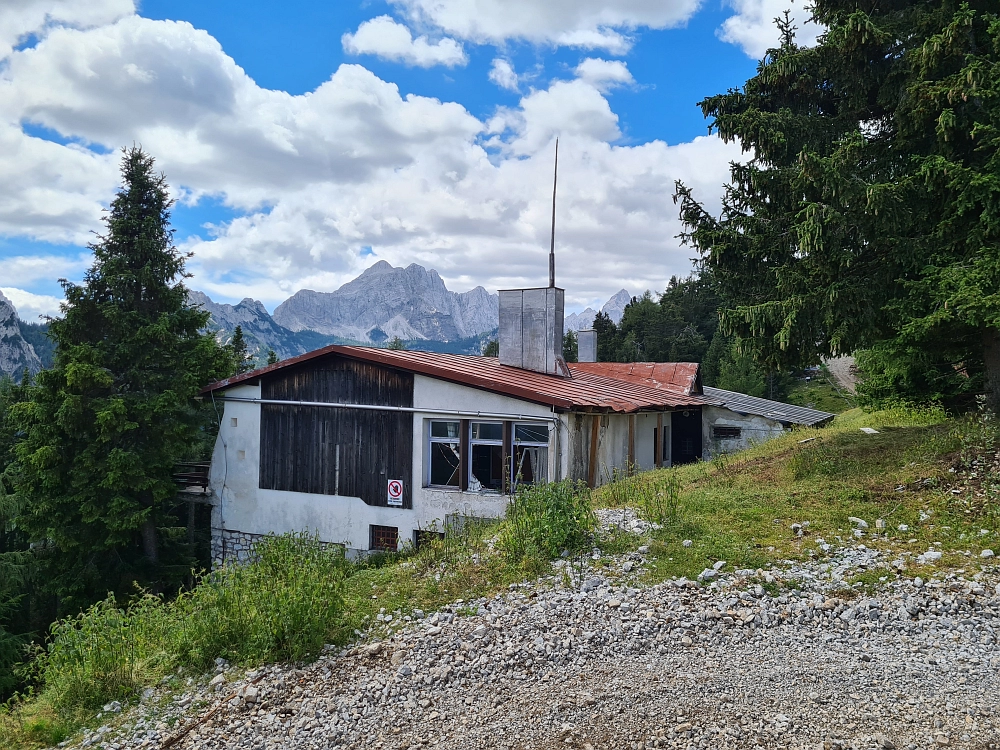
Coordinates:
<point>546,519</point>
<point>655,495</point>
<point>280,606</point>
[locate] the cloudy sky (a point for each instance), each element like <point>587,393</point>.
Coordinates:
<point>304,140</point>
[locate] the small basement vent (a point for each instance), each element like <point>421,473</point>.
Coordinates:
<point>383,538</point>
<point>725,432</point>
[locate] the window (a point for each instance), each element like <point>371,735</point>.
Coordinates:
<point>383,538</point>
<point>486,457</point>
<point>423,537</point>
<point>530,457</point>
<point>724,432</point>
<point>445,454</point>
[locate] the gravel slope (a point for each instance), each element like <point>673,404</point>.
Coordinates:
<point>605,664</point>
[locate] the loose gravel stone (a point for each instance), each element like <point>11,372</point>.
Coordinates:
<point>604,664</point>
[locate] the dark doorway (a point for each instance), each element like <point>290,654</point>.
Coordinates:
<point>685,436</point>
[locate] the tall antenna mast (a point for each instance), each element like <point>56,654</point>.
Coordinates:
<point>552,244</point>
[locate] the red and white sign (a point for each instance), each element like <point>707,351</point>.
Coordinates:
<point>396,492</point>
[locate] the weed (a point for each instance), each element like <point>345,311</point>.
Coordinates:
<point>543,520</point>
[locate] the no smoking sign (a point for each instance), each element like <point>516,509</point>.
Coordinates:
<point>395,487</point>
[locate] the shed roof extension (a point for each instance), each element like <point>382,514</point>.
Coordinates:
<point>762,407</point>
<point>585,391</point>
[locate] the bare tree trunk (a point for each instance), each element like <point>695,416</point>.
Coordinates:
<point>991,355</point>
<point>150,547</point>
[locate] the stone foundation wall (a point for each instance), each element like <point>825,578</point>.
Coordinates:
<point>229,545</point>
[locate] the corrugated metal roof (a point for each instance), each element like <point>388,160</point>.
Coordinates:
<point>762,407</point>
<point>677,377</point>
<point>585,391</point>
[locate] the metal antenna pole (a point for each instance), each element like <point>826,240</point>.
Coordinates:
<point>552,245</point>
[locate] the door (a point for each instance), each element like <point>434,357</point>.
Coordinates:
<point>685,436</point>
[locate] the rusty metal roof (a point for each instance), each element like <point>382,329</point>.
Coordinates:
<point>676,377</point>
<point>585,391</point>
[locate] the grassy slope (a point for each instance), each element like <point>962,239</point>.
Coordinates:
<point>820,393</point>
<point>741,509</point>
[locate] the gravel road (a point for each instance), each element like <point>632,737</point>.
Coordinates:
<point>604,663</point>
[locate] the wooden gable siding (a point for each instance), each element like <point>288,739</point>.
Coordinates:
<point>300,445</point>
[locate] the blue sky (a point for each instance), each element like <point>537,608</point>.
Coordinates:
<point>305,140</point>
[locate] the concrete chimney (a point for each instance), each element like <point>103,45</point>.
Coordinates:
<point>531,330</point>
<point>587,346</point>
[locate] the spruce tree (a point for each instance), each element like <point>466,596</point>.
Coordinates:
<point>105,425</point>
<point>868,210</point>
<point>242,360</point>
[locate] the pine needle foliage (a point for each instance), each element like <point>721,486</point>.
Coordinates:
<point>104,426</point>
<point>868,210</point>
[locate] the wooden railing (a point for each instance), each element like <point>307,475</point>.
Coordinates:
<point>190,475</point>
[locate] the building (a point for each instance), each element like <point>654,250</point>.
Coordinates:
<point>371,448</point>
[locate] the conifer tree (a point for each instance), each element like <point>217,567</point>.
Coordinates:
<point>868,210</point>
<point>105,425</point>
<point>242,360</point>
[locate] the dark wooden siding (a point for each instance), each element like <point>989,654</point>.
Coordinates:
<point>299,445</point>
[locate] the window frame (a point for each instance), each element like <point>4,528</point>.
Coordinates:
<point>473,441</point>
<point>716,428</point>
<point>431,441</point>
<point>529,444</point>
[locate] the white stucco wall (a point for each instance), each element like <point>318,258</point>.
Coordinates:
<point>241,506</point>
<point>754,430</point>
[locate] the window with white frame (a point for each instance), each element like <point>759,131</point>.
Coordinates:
<point>445,454</point>
<point>486,456</point>
<point>530,457</point>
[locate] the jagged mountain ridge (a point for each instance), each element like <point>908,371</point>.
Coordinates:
<point>614,308</point>
<point>16,354</point>
<point>412,303</point>
<point>259,328</point>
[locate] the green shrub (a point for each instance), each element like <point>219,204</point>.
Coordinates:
<point>545,519</point>
<point>280,606</point>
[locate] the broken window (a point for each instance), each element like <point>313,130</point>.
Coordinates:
<point>445,454</point>
<point>530,457</point>
<point>726,432</point>
<point>486,457</point>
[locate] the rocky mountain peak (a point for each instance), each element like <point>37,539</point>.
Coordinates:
<point>412,303</point>
<point>16,354</point>
<point>614,308</point>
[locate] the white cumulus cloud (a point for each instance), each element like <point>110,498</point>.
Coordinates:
<point>30,307</point>
<point>590,24</point>
<point>754,30</point>
<point>20,18</point>
<point>502,73</point>
<point>604,74</point>
<point>355,164</point>
<point>391,40</point>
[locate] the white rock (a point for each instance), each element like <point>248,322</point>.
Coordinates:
<point>859,522</point>
<point>986,553</point>
<point>687,543</point>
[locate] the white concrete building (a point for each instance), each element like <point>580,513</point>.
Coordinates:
<point>370,448</point>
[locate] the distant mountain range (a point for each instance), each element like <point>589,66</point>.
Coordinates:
<point>384,302</point>
<point>614,308</point>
